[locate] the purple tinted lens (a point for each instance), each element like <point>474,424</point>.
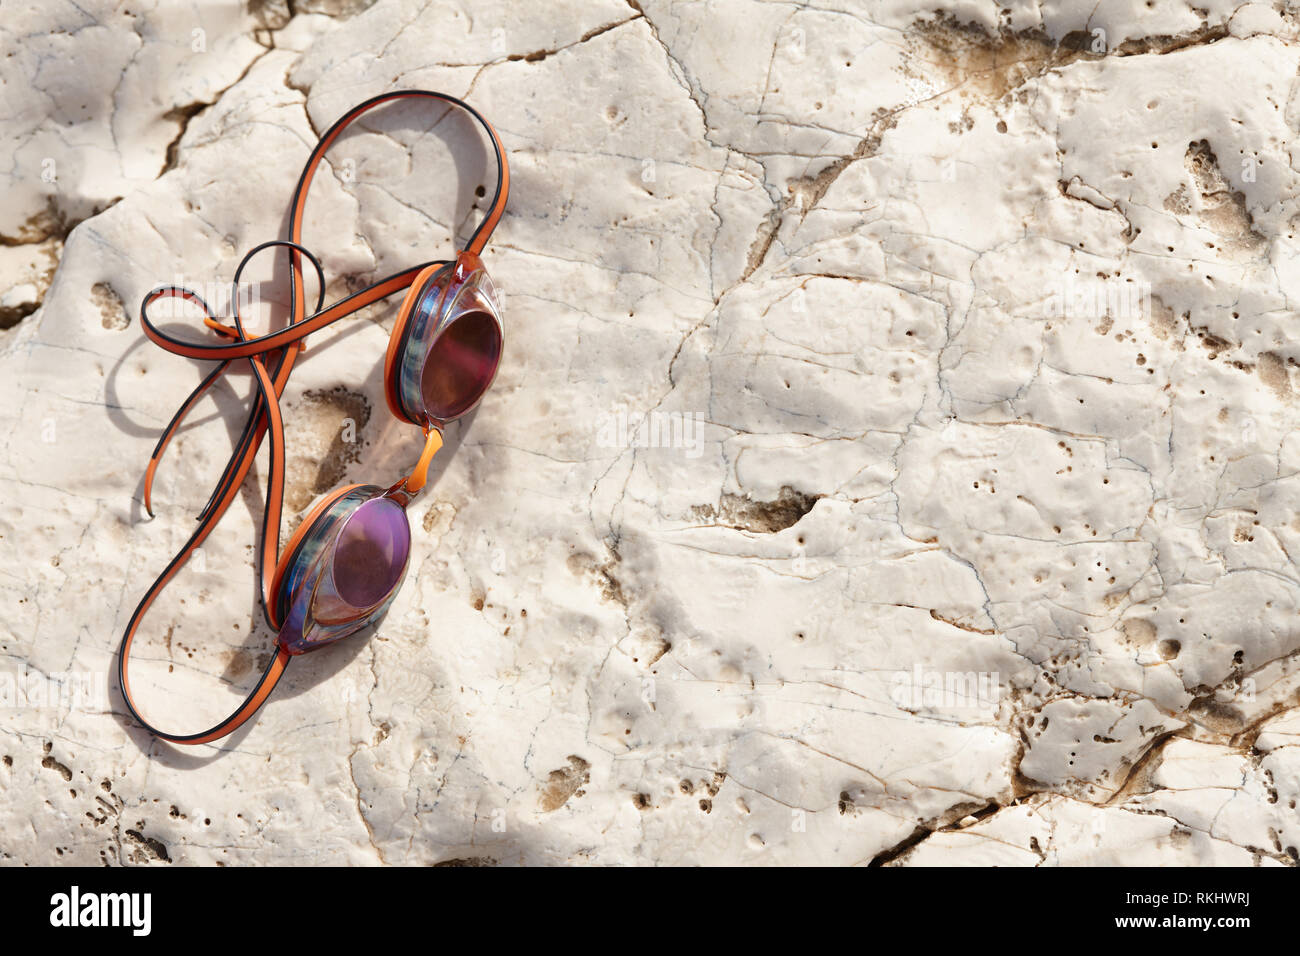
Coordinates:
<point>370,556</point>
<point>460,365</point>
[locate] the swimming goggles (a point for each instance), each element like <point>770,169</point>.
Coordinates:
<point>346,562</point>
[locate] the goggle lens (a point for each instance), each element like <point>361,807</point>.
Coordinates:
<point>371,552</point>
<point>461,365</point>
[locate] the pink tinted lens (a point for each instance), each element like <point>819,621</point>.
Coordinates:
<point>371,552</point>
<point>460,365</point>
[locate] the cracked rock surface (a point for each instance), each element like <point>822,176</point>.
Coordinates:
<point>894,460</point>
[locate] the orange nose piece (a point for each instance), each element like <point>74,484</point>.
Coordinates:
<point>420,473</point>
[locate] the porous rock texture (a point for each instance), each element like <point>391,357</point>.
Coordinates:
<point>894,460</point>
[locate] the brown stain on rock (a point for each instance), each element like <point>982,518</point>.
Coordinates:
<point>762,517</point>
<point>1138,631</point>
<point>47,223</point>
<point>147,848</point>
<point>440,515</point>
<point>991,64</point>
<point>34,274</point>
<point>1164,322</point>
<point>1274,373</point>
<point>1178,202</point>
<point>564,783</point>
<point>986,65</point>
<point>1221,208</point>
<point>49,763</point>
<point>1218,716</point>
<point>113,314</point>
<point>328,426</point>
<point>468,861</point>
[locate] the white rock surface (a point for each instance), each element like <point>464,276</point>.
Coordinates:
<point>976,546</point>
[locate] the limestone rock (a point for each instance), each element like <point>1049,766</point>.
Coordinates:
<point>894,458</point>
